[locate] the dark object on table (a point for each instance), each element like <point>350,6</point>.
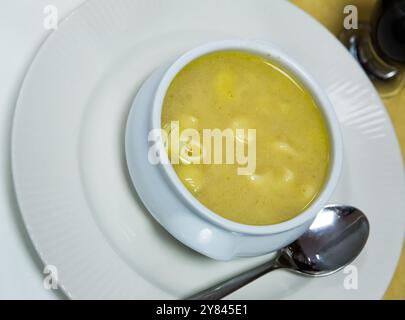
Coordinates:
<point>388,30</point>
<point>379,46</point>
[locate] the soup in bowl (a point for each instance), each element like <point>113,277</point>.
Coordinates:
<point>233,148</point>
<point>236,90</point>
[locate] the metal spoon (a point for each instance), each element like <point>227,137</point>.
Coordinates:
<point>335,238</point>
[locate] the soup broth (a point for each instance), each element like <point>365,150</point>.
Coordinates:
<point>240,90</point>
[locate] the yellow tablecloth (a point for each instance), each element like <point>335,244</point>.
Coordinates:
<point>330,14</point>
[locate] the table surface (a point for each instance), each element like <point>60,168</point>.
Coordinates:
<point>22,33</point>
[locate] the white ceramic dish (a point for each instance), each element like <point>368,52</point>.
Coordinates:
<point>20,269</point>
<point>69,165</point>
<point>177,210</point>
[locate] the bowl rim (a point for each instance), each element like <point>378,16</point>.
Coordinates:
<point>283,60</point>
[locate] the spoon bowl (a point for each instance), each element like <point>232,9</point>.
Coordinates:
<point>335,238</point>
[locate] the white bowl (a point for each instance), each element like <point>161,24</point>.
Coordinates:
<point>175,208</point>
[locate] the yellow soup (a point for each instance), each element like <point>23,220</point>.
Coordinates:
<point>238,90</point>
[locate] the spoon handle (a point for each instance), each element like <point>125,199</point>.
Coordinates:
<point>227,287</point>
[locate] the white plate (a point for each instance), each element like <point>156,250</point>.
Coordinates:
<point>68,150</point>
